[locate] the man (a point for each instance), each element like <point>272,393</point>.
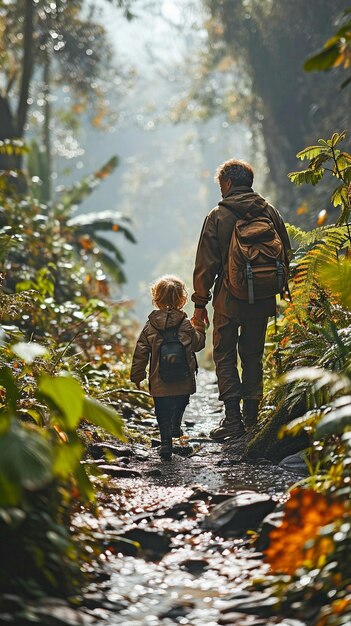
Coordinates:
<point>238,326</point>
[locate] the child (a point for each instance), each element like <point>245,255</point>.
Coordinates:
<point>168,323</point>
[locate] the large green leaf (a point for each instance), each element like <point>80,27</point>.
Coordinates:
<point>8,382</point>
<point>25,458</point>
<point>85,486</point>
<point>68,456</point>
<point>67,395</point>
<point>311,152</point>
<point>102,415</point>
<point>10,493</point>
<point>306,176</point>
<point>84,188</point>
<point>106,243</point>
<point>336,276</point>
<point>99,220</point>
<point>323,60</point>
<point>335,422</point>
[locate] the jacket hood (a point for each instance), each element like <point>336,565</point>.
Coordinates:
<point>166,319</point>
<point>244,200</point>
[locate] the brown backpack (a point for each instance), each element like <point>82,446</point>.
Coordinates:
<point>257,260</point>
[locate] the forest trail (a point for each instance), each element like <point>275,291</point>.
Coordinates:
<point>183,573</point>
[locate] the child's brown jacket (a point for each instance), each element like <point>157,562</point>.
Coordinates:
<point>148,347</point>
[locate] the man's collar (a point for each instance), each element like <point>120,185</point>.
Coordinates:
<point>234,190</point>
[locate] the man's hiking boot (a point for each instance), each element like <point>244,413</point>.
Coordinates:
<point>231,425</point>
<point>227,428</point>
<point>250,412</point>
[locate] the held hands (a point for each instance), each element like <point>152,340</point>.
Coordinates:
<point>202,316</point>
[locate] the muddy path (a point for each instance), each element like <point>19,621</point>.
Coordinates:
<point>162,561</point>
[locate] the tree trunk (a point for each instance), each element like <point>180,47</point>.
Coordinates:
<point>27,67</point>
<point>46,174</point>
<point>7,131</point>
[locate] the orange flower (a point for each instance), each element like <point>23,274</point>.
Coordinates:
<point>338,606</point>
<point>305,513</point>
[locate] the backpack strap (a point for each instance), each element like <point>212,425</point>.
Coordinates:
<point>280,276</point>
<point>168,333</point>
<point>230,208</point>
<point>250,285</point>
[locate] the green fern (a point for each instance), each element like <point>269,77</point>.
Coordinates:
<point>326,243</point>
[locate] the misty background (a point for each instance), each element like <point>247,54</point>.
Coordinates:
<point>165,178</point>
<point>185,86</point>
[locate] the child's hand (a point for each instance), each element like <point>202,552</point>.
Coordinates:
<point>199,324</point>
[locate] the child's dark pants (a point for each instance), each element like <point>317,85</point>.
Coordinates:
<point>169,412</point>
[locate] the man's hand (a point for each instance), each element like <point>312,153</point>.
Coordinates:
<point>202,315</point>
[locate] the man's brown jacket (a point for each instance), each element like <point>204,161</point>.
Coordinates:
<point>212,255</point>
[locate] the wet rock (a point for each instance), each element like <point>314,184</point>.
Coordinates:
<point>181,509</point>
<point>215,497</point>
<point>119,472</point>
<point>295,463</point>
<point>218,497</point>
<point>125,460</point>
<point>127,411</point>
<point>153,544</point>
<point>271,521</point>
<point>98,600</point>
<point>179,610</point>
<point>244,511</point>
<point>260,460</point>
<point>237,460</point>
<point>153,472</point>
<point>290,622</point>
<point>140,453</point>
<point>239,620</point>
<point>155,443</point>
<point>258,604</point>
<point>199,493</point>
<point>195,566</point>
<point>183,450</point>
<point>97,450</point>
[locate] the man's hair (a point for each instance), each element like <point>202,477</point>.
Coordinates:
<point>239,173</point>
<point>169,292</point>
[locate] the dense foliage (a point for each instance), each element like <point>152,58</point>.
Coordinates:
<point>64,336</point>
<point>251,71</point>
<point>309,552</point>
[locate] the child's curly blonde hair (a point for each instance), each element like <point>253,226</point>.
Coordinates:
<point>169,292</point>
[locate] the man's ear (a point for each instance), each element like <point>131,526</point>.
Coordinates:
<point>228,185</point>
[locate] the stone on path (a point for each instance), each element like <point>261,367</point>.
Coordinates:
<point>295,463</point>
<point>245,511</point>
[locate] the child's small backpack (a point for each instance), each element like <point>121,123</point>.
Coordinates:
<point>173,364</point>
<point>257,260</point>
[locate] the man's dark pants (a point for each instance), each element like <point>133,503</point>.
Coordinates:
<point>247,337</point>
